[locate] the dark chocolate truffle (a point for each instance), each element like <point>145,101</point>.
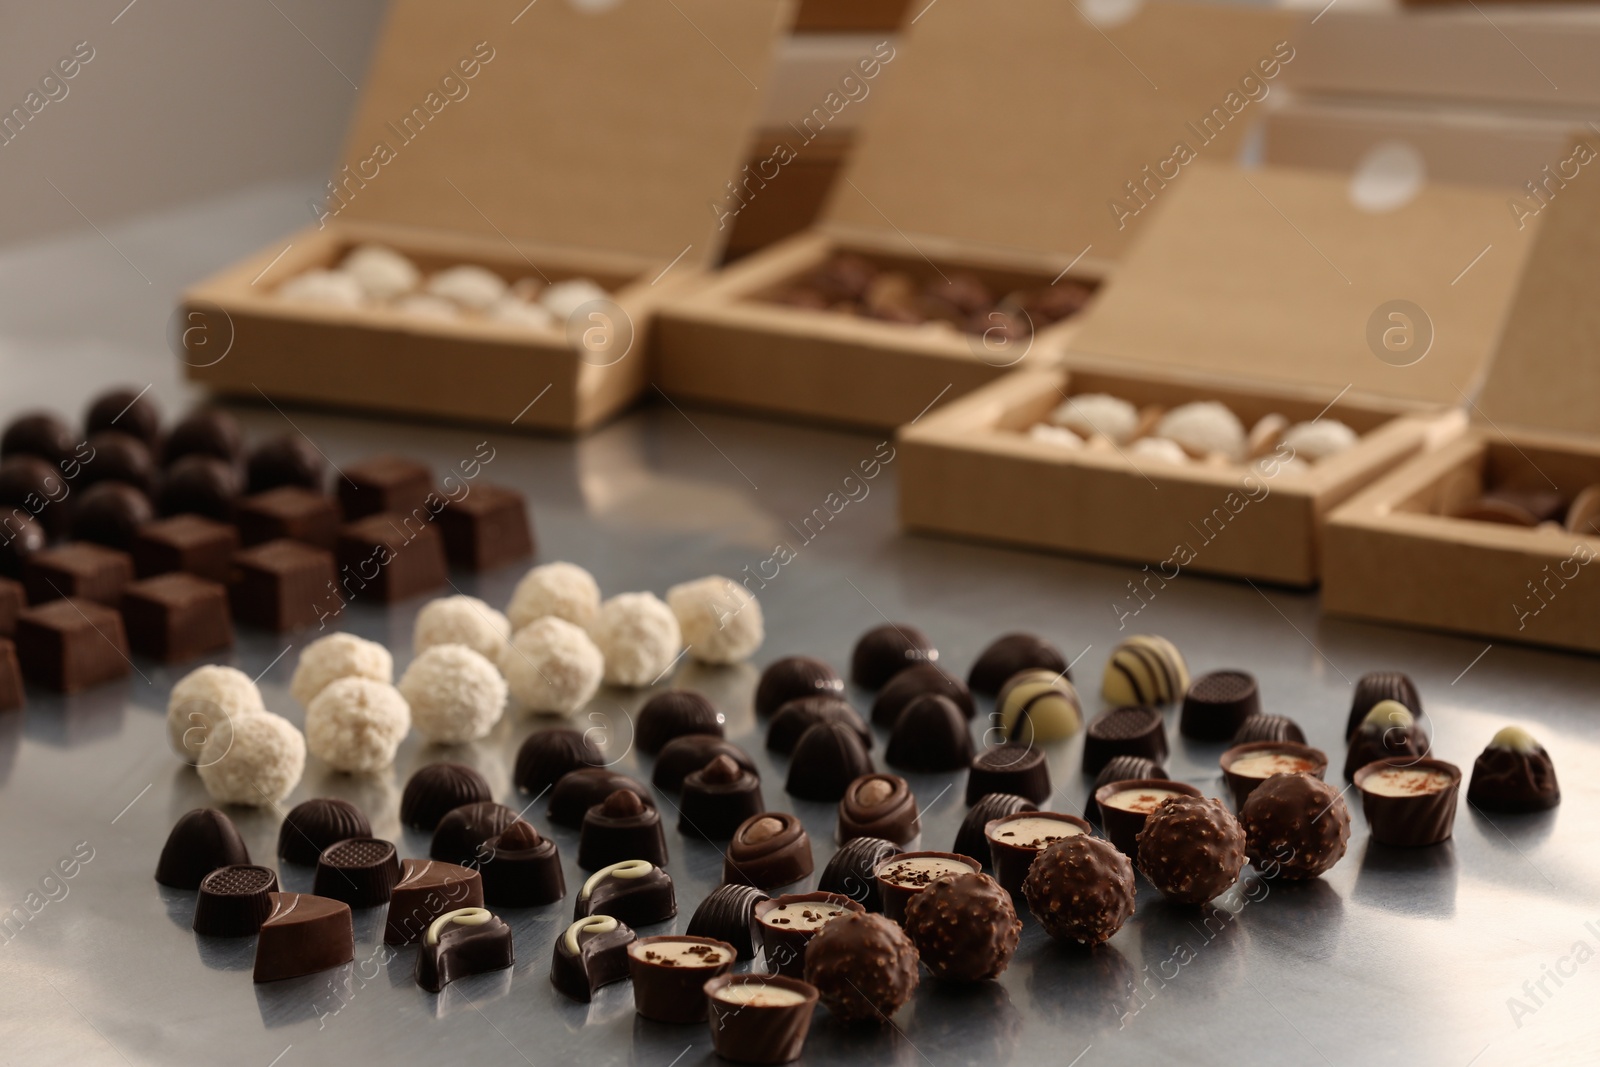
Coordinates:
<point>1011,654</point>
<point>21,538</point>
<point>461,835</point>
<point>828,758</point>
<point>312,825</point>
<point>1217,704</point>
<point>671,714</point>
<point>129,411</point>
<point>31,488</point>
<point>930,735</point>
<point>1389,731</point>
<point>577,791</point>
<point>794,677</point>
<point>1266,728</point>
<point>110,514</point>
<point>1120,769</point>
<point>717,798</point>
<point>1009,768</point>
<point>37,433</point>
<point>118,457</point>
<point>852,872</point>
<point>1514,775</point>
<point>1126,731</point>
<point>879,805</point>
<point>286,460</point>
<point>523,869</point>
<point>548,754</point>
<point>884,651</point>
<point>726,914</point>
<point>863,966</point>
<point>797,716</point>
<point>1295,824</point>
<point>234,901</point>
<point>970,839</point>
<point>200,842</point>
<point>767,851</point>
<point>438,789</point>
<point>1191,849</point>
<point>361,871</point>
<point>1080,889</point>
<point>1378,686</point>
<point>199,485</point>
<point>621,827</point>
<point>208,432</point>
<point>682,756</point>
<point>913,682</point>
<point>964,926</point>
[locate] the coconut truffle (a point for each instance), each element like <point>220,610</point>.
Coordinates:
<point>382,272</point>
<point>563,299</point>
<point>455,694</point>
<point>1098,413</point>
<point>719,619</point>
<point>1159,449</point>
<point>1320,439</point>
<point>356,724</point>
<point>1203,428</point>
<point>639,637</point>
<point>552,665</point>
<point>330,288</point>
<point>472,287</point>
<point>461,620</point>
<point>516,310</point>
<point>203,700</point>
<point>255,760</point>
<point>564,590</point>
<point>336,656</point>
<point>1059,436</point>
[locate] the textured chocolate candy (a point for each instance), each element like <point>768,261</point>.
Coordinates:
<point>621,827</point>
<point>970,839</point>
<point>784,925</point>
<point>791,721</point>
<point>669,972</point>
<point>1269,728</point>
<point>461,943</point>
<point>546,755</point>
<point>1125,731</point>
<point>1514,774</point>
<point>1008,656</point>
<point>904,876</point>
<point>1145,671</point>
<point>119,457</point>
<point>1080,889</point>
<point>437,789</point>
<point>591,954</point>
<point>201,841</point>
<point>1015,841</point>
<point>1191,849</point>
<point>522,869</point>
<point>1009,768</point>
<point>726,914</point>
<point>965,927</point>
<point>1376,687</point>
<point>111,514</point>
<point>864,967</point>
<point>42,434</point>
<point>304,934</point>
<point>879,805</point>
<point>487,528</point>
<point>129,411</point>
<point>577,791</point>
<point>717,798</point>
<point>313,825</point>
<point>198,485</point>
<point>1389,731</point>
<point>671,714</point>
<point>1217,704</point>
<point>460,835</point>
<point>918,680</point>
<point>1038,706</point>
<point>768,850</point>
<point>884,651</point>
<point>760,1019</point>
<point>636,892</point>
<point>360,871</point>
<point>1295,824</point>
<point>1120,769</point>
<point>852,872</point>
<point>792,678</point>
<point>827,759</point>
<point>930,735</point>
<point>1123,819</point>
<point>289,459</point>
<point>684,755</point>
<point>207,432</point>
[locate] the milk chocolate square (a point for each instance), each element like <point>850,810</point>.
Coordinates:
<point>177,616</point>
<point>486,528</point>
<point>71,645</point>
<point>80,569</point>
<point>288,511</point>
<point>283,585</point>
<point>384,483</point>
<point>191,543</point>
<point>391,557</point>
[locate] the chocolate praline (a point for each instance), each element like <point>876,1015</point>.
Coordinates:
<point>25,537</point>
<point>673,714</point>
<point>1514,775</point>
<point>931,735</point>
<point>460,835</point>
<point>1125,731</point>
<point>1376,687</point>
<point>198,485</point>
<point>33,490</point>
<point>884,651</point>
<point>463,943</point>
<point>1122,822</point>
<point>110,514</point>
<point>1191,849</point>
<point>360,871</point>
<point>119,458</point>
<point>1285,757</point>
<point>303,935</point>
<point>437,789</point>
<point>1414,818</point>
<point>717,798</point>
<point>759,1019</point>
<point>915,681</point>
<point>1269,728</point>
<point>682,756</point>
<point>522,869</point>
<point>200,842</point>
<point>970,839</point>
<point>208,432</point>
<point>1009,768</point>
<point>792,678</point>
<point>37,433</point>
<point>1389,731</point>
<point>1038,706</point>
<point>1295,824</point>
<point>879,805</point>
<point>1081,890</point>
<point>1010,654</point>
<point>313,825</point>
<point>621,827</point>
<point>768,850</point>
<point>1217,704</point>
<point>1120,769</point>
<point>827,759</point>
<point>791,721</point>
<point>234,901</point>
<point>577,791</point>
<point>635,892</point>
<point>428,889</point>
<point>289,459</point>
<point>548,754</point>
<point>864,967</point>
<point>784,925</point>
<point>592,953</point>
<point>852,872</point>
<point>726,914</point>
<point>904,876</point>
<point>669,972</point>
<point>127,411</point>
<point>1015,841</point>
<point>965,927</point>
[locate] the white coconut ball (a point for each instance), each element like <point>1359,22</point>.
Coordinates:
<point>338,656</point>
<point>455,694</point>
<point>461,620</point>
<point>426,306</point>
<point>563,299</point>
<point>255,760</point>
<point>719,619</point>
<point>203,700</point>
<point>1100,413</point>
<point>519,312</point>
<point>1159,449</point>
<point>1312,441</point>
<point>356,724</point>
<point>552,665</point>
<point>564,590</point>
<point>1204,427</point>
<point>1059,436</point>
<point>382,272</point>
<point>471,287</point>
<point>639,637</point>
<point>329,288</point>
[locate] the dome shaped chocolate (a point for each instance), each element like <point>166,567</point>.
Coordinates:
<point>675,713</point>
<point>312,825</point>
<point>110,514</point>
<point>884,651</point>
<point>208,432</point>
<point>37,433</point>
<point>1080,889</point>
<point>1376,687</point>
<point>200,842</point>
<point>1191,849</point>
<point>1295,824</point>
<point>548,754</point>
<point>438,789</point>
<point>828,758</point>
<point>1267,728</point>
<point>1009,655</point>
<point>725,915</point>
<point>918,680</point>
<point>461,834</point>
<point>578,791</point>
<point>198,485</point>
<point>288,459</point>
<point>964,926</point>
<point>930,735</point>
<point>119,457</point>
<point>682,756</point>
<point>129,411</point>
<point>794,718</point>
<point>792,678</point>
<point>1514,775</point>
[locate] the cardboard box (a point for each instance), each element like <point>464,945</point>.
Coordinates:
<point>559,141</point>
<point>999,138</point>
<point>844,16</point>
<point>1258,289</point>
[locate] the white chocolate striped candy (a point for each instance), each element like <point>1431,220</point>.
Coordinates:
<point>1147,671</point>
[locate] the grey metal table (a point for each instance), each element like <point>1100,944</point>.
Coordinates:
<point>1477,952</point>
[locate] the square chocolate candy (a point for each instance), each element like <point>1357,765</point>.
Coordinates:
<point>391,557</point>
<point>71,645</point>
<point>486,528</point>
<point>177,616</point>
<point>289,511</point>
<point>191,543</point>
<point>283,585</point>
<point>11,696</point>
<point>384,483</point>
<point>12,601</point>
<point>80,569</point>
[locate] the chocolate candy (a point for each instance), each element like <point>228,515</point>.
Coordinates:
<point>673,714</point>
<point>577,791</point>
<point>827,759</point>
<point>786,924</point>
<point>360,871</point>
<point>428,889</point>
<point>288,511</point>
<point>111,514</point>
<point>522,869</point>
<point>1038,706</point>
<point>32,487</point>
<point>176,617</point>
<point>591,954</point>
<point>289,459</point>
<point>384,484</point>
<point>72,645</point>
<point>21,538</point>
<point>1410,801</point>
<point>460,835</point>
<point>119,458</point>
<point>792,678</point>
<point>1269,728</point>
<point>207,432</point>
<point>760,1019</point>
<point>794,718</point>
<point>970,839</point>
<point>198,485</point>
<point>1013,841</point>
<point>304,934</point>
<point>1121,769</point>
<point>636,892</point>
<point>767,851</point>
<point>669,972</point>
<point>12,694</point>
<point>1376,687</point>
<point>1080,889</point>
<point>1013,768</point>
<point>283,585</point>
<point>1010,655</point>
<point>1125,731</point>
<point>190,543</point>
<point>879,805</point>
<point>37,433</point>
<point>1125,806</point>
<point>684,755</point>
<point>1145,671</point>
<point>462,943</point>
<point>1191,849</point>
<point>200,842</point>
<point>80,569</point>
<point>852,872</point>
<point>1217,704</point>
<point>12,600</point>
<point>864,967</point>
<point>128,411</point>
<point>1389,731</point>
<point>726,914</point>
<point>1514,775</point>
<point>487,528</point>
<point>903,877</point>
<point>1296,825</point>
<point>930,735</point>
<point>437,789</point>
<point>621,827</point>
<point>913,682</point>
<point>1246,766</point>
<point>412,555</point>
<point>548,754</point>
<point>965,927</point>
<point>717,798</point>
<point>313,825</point>
<point>884,651</point>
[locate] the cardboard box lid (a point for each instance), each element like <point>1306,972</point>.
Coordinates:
<point>608,125</point>
<point>1016,124</point>
<point>1278,275</point>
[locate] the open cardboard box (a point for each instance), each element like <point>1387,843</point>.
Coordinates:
<point>1001,136</point>
<point>586,141</point>
<point>1257,289</point>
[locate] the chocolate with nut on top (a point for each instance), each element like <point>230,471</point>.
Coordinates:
<point>879,805</point>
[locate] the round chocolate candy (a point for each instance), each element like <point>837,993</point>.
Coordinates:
<point>1038,706</point>
<point>864,967</point>
<point>1008,656</point>
<point>361,871</point>
<point>1514,775</point>
<point>795,717</point>
<point>38,433</point>
<point>1145,671</point>
<point>930,735</point>
<point>852,872</point>
<point>577,791</point>
<point>1125,731</point>
<point>32,490</point>
<point>119,457</point>
<point>1120,769</point>
<point>1295,824</point>
<point>289,459</point>
<point>621,827</point>
<point>1080,889</point>
<point>546,755</point>
<point>1217,704</point>
<point>682,756</point>
<point>460,836</point>
<point>964,926</point>
<point>767,851</point>
<point>970,839</point>
<point>792,678</point>
<point>523,869</point>
<point>24,538</point>
<point>313,825</point>
<point>726,914</point>
<point>438,789</point>
<point>128,411</point>
<point>828,758</point>
<point>879,805</point>
<point>671,714</point>
<point>1389,731</point>
<point>915,681</point>
<point>1191,849</point>
<point>199,485</point>
<point>234,901</point>
<point>1268,728</point>
<point>1009,768</point>
<point>717,798</point>
<point>208,432</point>
<point>110,514</point>
<point>200,842</point>
<point>884,651</point>
<point>1376,687</point>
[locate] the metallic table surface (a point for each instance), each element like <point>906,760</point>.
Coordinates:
<point>1395,957</point>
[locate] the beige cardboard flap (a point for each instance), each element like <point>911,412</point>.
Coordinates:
<point>1278,275</point>
<point>1019,123</point>
<point>605,126</point>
